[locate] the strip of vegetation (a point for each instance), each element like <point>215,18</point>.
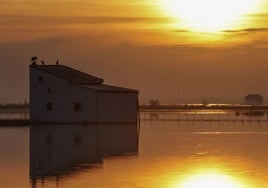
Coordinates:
<point>201,107</point>
<point>14,106</point>
<point>154,105</point>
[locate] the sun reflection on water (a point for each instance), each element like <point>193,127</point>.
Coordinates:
<point>210,180</point>
<point>211,173</point>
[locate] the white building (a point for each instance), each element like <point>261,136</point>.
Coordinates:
<point>60,94</point>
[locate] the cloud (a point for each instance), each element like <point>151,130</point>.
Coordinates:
<point>263,15</point>
<point>45,41</point>
<point>51,41</point>
<point>181,31</point>
<point>247,30</point>
<point>78,20</point>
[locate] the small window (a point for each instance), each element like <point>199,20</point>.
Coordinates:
<point>40,78</point>
<point>49,106</point>
<point>77,107</point>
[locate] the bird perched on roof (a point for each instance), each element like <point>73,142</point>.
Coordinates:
<point>34,60</point>
<point>43,63</point>
<point>57,62</point>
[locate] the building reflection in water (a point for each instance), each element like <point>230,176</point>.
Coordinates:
<point>61,150</point>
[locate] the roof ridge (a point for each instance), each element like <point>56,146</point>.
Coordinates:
<point>68,73</point>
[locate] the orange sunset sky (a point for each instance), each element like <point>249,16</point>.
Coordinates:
<point>175,50</point>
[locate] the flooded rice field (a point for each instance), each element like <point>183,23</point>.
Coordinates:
<point>157,153</point>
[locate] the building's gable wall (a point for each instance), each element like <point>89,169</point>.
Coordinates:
<point>62,96</point>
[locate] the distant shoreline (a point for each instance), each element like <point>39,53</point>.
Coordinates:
<point>203,107</point>
<point>14,106</point>
<point>25,107</point>
<point>12,111</point>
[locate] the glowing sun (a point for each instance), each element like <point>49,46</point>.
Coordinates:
<point>209,15</point>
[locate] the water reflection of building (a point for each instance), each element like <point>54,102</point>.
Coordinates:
<point>61,150</point>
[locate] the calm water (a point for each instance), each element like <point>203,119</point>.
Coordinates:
<point>170,154</point>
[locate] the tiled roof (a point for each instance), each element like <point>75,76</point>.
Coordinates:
<point>74,76</point>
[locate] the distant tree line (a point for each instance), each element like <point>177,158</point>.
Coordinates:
<point>155,106</point>
<point>154,102</point>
